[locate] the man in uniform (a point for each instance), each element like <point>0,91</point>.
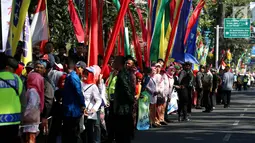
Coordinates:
<point>185,80</point>
<point>10,102</point>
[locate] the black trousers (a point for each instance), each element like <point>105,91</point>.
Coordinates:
<point>212,98</point>
<point>219,95</point>
<point>124,128</point>
<point>189,108</point>
<point>93,130</point>
<point>71,130</point>
<point>109,119</point>
<point>199,97</point>
<point>207,100</point>
<point>56,128</point>
<point>9,134</point>
<point>227,97</point>
<point>183,102</point>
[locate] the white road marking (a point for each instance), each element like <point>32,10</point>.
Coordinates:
<point>226,137</point>
<point>236,123</point>
<point>241,115</point>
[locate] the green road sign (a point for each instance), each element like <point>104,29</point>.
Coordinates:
<point>237,28</point>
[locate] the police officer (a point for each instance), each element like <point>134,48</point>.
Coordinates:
<point>10,106</point>
<point>185,82</point>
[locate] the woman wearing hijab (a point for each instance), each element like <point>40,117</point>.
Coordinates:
<point>93,102</point>
<point>35,105</point>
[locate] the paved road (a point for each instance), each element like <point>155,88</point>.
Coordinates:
<point>233,125</point>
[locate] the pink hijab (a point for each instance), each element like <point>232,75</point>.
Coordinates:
<point>97,72</point>
<point>36,81</point>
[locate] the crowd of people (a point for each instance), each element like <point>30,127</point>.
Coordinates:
<point>60,98</point>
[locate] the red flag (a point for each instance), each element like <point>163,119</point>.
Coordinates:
<point>78,29</point>
<point>140,16</point>
<point>136,42</point>
<point>93,35</point>
<point>116,29</point>
<point>42,45</point>
<point>39,26</point>
<point>193,19</point>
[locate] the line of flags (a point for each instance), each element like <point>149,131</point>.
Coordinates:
<point>168,33</point>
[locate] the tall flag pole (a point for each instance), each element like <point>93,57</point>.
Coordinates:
<point>18,16</point>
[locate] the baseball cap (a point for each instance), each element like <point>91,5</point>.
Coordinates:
<point>30,65</point>
<point>81,64</point>
<point>90,69</point>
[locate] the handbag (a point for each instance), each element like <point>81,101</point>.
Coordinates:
<point>31,115</point>
<point>160,99</point>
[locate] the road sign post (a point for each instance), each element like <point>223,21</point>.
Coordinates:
<point>237,28</point>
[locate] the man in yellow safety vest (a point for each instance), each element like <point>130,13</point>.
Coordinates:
<point>10,106</point>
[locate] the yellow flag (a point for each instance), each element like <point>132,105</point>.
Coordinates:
<point>18,16</point>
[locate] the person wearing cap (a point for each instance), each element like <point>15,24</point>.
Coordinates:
<point>29,67</point>
<point>80,67</point>
<point>73,106</point>
<point>93,102</point>
<point>199,86</point>
<point>185,81</point>
<point>207,89</point>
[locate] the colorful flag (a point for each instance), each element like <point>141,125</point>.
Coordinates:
<point>18,16</point>
<point>176,19</point>
<point>191,42</point>
<point>194,18</point>
<point>158,38</point>
<point>178,48</point>
<point>39,27</point>
<point>27,54</point>
<point>78,29</point>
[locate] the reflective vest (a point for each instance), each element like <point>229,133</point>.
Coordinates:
<point>10,107</point>
<point>110,89</point>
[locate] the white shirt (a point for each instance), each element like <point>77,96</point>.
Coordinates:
<point>151,88</point>
<point>92,98</point>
